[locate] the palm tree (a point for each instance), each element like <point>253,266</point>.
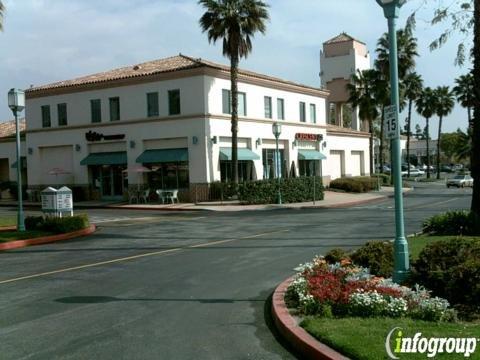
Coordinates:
<point>236,22</point>
<point>2,11</point>
<point>407,51</point>
<point>464,91</point>
<point>413,86</point>
<point>363,90</point>
<point>426,106</point>
<point>443,107</point>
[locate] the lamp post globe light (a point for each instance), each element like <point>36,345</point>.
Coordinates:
<point>277,130</point>
<point>16,102</point>
<point>391,10</point>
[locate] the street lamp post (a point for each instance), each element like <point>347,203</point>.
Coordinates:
<point>277,130</point>
<point>16,102</point>
<point>391,9</point>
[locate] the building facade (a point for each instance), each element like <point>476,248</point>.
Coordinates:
<point>165,124</point>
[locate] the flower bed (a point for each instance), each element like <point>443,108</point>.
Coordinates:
<point>342,289</point>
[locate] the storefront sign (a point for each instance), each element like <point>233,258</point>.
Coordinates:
<point>308,137</point>
<point>94,136</point>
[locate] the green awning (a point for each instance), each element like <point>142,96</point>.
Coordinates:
<point>163,156</point>
<point>24,163</point>
<point>243,154</point>
<point>107,158</point>
<point>310,155</point>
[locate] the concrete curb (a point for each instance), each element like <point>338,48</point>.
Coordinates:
<point>47,239</point>
<point>306,345</point>
<point>8,228</point>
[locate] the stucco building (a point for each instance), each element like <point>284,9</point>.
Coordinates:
<point>166,124</point>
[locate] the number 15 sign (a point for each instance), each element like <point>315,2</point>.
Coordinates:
<point>391,121</point>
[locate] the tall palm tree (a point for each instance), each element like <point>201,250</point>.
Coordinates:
<point>464,91</point>
<point>426,106</point>
<point>443,107</point>
<point>407,52</point>
<point>363,90</point>
<point>475,131</point>
<point>413,86</point>
<point>236,22</point>
<point>2,11</point>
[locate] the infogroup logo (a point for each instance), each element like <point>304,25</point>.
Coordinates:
<point>428,346</point>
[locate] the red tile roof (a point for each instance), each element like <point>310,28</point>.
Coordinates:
<point>171,64</point>
<point>7,128</point>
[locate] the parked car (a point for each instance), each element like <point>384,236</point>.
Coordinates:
<point>460,181</point>
<point>413,173</point>
<point>446,168</point>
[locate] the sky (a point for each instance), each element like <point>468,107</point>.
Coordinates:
<point>51,40</point>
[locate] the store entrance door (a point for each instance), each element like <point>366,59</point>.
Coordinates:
<point>112,182</point>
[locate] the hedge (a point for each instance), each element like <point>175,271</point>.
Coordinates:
<point>293,190</point>
<point>359,184</point>
<point>384,178</point>
<point>452,223</point>
<point>57,225</point>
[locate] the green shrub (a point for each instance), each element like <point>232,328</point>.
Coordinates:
<point>359,184</point>
<point>451,223</point>
<point>336,255</point>
<point>384,178</point>
<point>221,190</point>
<point>293,190</point>
<point>451,269</point>
<point>57,225</point>
<point>33,222</point>
<point>377,256</point>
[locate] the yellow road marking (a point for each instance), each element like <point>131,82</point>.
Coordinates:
<point>134,257</point>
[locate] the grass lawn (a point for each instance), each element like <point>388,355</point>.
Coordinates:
<point>364,339</point>
<point>8,221</point>
<point>6,236</point>
<point>417,243</point>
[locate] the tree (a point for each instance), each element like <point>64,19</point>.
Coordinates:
<point>236,22</point>
<point>407,52</point>
<point>464,90</point>
<point>426,105</point>
<point>2,11</point>
<point>456,146</point>
<point>413,85</point>
<point>363,89</point>
<point>443,107</point>
<point>464,17</point>
<point>418,132</point>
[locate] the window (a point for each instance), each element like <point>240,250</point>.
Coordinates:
<point>227,103</point>
<point>96,110</point>
<point>62,114</point>
<point>114,108</point>
<point>46,121</point>
<point>302,111</point>
<point>174,102</point>
<point>280,109</point>
<point>313,113</point>
<point>271,166</point>
<point>152,104</point>
<point>267,101</point>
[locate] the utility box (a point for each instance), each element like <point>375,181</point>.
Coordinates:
<point>64,201</point>
<point>49,200</point>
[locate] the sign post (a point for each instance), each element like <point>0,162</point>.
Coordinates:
<point>49,201</point>
<point>64,201</point>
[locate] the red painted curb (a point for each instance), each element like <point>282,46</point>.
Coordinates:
<point>47,239</point>
<point>307,346</point>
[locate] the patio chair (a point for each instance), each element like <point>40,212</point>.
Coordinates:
<point>144,196</point>
<point>161,195</point>
<point>132,196</point>
<point>172,196</point>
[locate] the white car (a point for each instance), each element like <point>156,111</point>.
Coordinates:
<point>460,181</point>
<point>413,173</point>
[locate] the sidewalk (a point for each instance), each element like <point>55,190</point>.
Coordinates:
<point>332,200</point>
